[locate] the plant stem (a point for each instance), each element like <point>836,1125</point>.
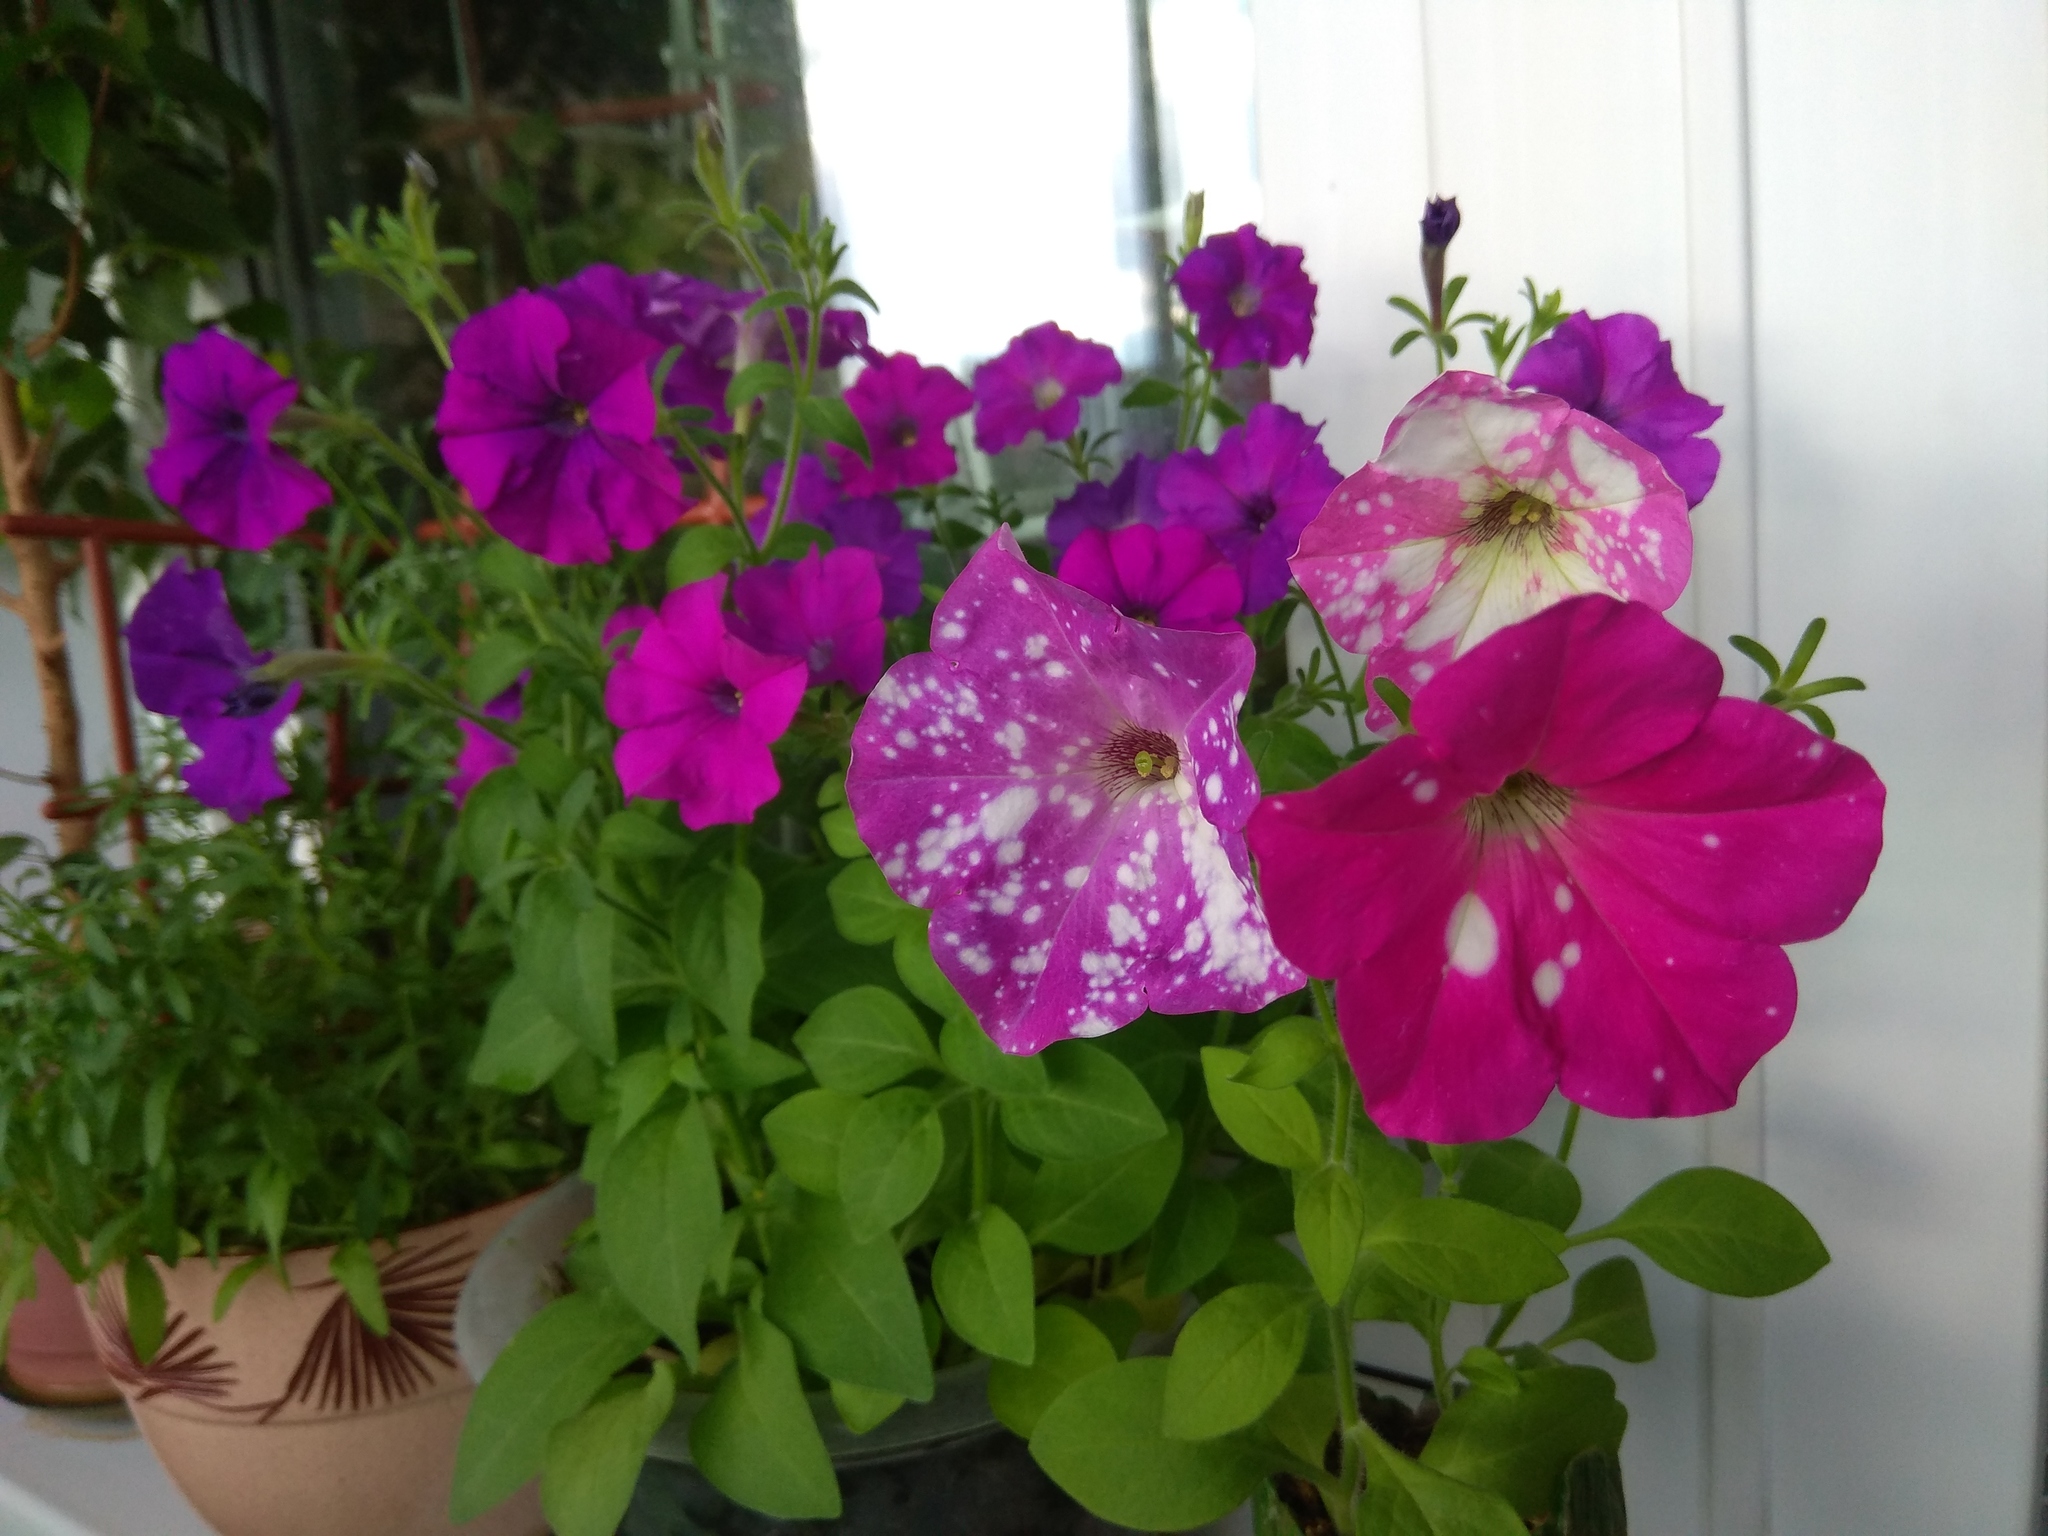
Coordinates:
<point>1571,1131</point>
<point>1330,650</point>
<point>1439,1371</point>
<point>1337,1319</point>
<point>1501,1324</point>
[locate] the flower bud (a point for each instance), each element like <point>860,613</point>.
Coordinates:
<point>1439,224</point>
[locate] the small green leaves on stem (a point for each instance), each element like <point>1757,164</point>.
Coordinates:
<point>1784,690</point>
<point>1610,1309</point>
<point>356,1271</point>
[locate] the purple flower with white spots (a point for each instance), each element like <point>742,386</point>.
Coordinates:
<point>1253,496</point>
<point>903,407</point>
<point>1037,384</point>
<point>1066,791</point>
<point>1617,369</point>
<point>217,465</point>
<point>484,751</point>
<point>1169,576</point>
<point>190,660</point>
<point>1251,300</point>
<point>547,422</point>
<point>825,608</point>
<point>1132,497</point>
<point>698,709</point>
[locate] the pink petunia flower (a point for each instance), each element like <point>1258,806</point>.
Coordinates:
<point>1037,384</point>
<point>1066,791</point>
<point>484,751</point>
<point>1577,872</point>
<point>824,608</point>
<point>1486,506</point>
<point>698,711</point>
<point>903,407</point>
<point>1169,576</point>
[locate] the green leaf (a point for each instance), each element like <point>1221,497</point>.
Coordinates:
<point>1521,1179</point>
<point>982,1278</point>
<point>841,836</point>
<point>1147,393</point>
<point>1722,1231</point>
<point>971,1056</point>
<point>551,1369</point>
<point>1234,1357</point>
<point>1195,1229</point>
<point>756,1439</point>
<point>1386,1174</point>
<point>563,951</point>
<point>173,207</point>
<point>1590,1499</point>
<point>1104,1204</point>
<point>1284,1053</point>
<point>703,551</point>
<point>594,1458</point>
<point>718,942</point>
<point>862,1039</point>
<point>1303,1415</point>
<point>1517,1443</point>
<point>864,907</point>
<point>1092,1106</point>
<point>81,388</point>
<point>635,837</point>
<point>1225,413</point>
<point>834,421</point>
<point>61,119</point>
<point>1274,1125</point>
<point>1464,1251</point>
<point>144,1289</point>
<point>912,953</point>
<point>889,1158</point>
<point>805,1131</point>
<point>238,1277</point>
<point>523,1044</point>
<point>356,1271</point>
<point>793,541</point>
<point>752,382</point>
<point>1405,1498</point>
<point>495,663</point>
<point>862,1408</point>
<point>1286,754</point>
<point>1100,1440</point>
<point>658,1210</point>
<point>848,1304</point>
<point>1065,1347</point>
<point>1610,1309</point>
<point>1329,1219</point>
<point>510,569</point>
<point>740,1064</point>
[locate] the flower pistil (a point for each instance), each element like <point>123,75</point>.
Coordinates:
<point>1135,755</point>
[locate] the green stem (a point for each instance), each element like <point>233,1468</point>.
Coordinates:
<point>1342,1379</point>
<point>1501,1324</point>
<point>1330,650</point>
<point>1439,1370</point>
<point>424,313</point>
<point>734,503</point>
<point>1571,1132</point>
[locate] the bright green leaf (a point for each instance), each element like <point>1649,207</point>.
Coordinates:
<point>563,950</point>
<point>862,1039</point>
<point>1722,1231</point>
<point>982,1278</point>
<point>1195,1229</point>
<point>523,1044</point>
<point>889,1158</point>
<point>756,1439</point>
<point>61,119</point>
<point>1147,393</point>
<point>740,1064</point>
<point>1464,1251</point>
<point>972,1057</point>
<point>1274,1125</point>
<point>1521,1179</point>
<point>865,909</point>
<point>1329,1219</point>
<point>356,1271</point>
<point>1065,1347</point>
<point>593,1458</point>
<point>1286,754</point>
<point>635,837</point>
<point>494,664</point>
<point>718,942</point>
<point>1233,1358</point>
<point>848,1304</point>
<point>658,1210</point>
<point>862,1408</point>
<point>1284,1053</point>
<point>1517,1443</point>
<point>1093,1106</point>
<point>1610,1309</point>
<point>144,1289</point>
<point>703,551</point>
<point>1405,1498</point>
<point>1104,1204</point>
<point>805,1131</point>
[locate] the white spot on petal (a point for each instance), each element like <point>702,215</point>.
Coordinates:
<point>1548,982</point>
<point>1472,939</point>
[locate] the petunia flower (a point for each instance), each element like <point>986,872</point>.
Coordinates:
<point>621,628</point>
<point>217,466</point>
<point>1251,300</point>
<point>698,710</point>
<point>824,608</point>
<point>872,523</point>
<point>547,422</point>
<point>903,407</point>
<point>191,661</point>
<point>484,751</point>
<point>1037,384</point>
<point>701,318</point>
<point>1169,576</point>
<point>1253,496</point>
<point>1486,506</point>
<point>1065,790</point>
<point>1132,497</point>
<point>1577,871</point>
<point>1618,369</point>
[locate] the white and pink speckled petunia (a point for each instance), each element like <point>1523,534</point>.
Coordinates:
<point>1065,789</point>
<point>1485,506</point>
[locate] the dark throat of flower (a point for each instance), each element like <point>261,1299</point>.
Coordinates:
<point>725,698</point>
<point>1244,301</point>
<point>250,700</point>
<point>1525,806</point>
<point>1513,514</point>
<point>903,432</point>
<point>1134,756</point>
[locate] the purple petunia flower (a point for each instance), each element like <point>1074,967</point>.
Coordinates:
<point>703,319</point>
<point>903,407</point>
<point>844,334</point>
<point>622,627</point>
<point>1264,483</point>
<point>547,422</point>
<point>873,523</point>
<point>1617,369</point>
<point>1169,576</point>
<point>190,660</point>
<point>1066,792</point>
<point>1037,384</point>
<point>1251,300</point>
<point>484,751</point>
<point>217,466</point>
<point>825,608</point>
<point>1130,498</point>
<point>698,710</point>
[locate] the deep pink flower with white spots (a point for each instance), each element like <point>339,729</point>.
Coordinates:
<point>1577,871</point>
<point>1037,384</point>
<point>1066,791</point>
<point>698,710</point>
<point>902,407</point>
<point>1169,576</point>
<point>1486,506</point>
<point>824,608</point>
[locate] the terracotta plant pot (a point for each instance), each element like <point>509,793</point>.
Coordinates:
<point>50,1353</point>
<point>290,1416</point>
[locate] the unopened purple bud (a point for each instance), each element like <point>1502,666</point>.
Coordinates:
<point>1439,221</point>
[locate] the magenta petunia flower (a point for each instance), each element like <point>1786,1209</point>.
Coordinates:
<point>824,608</point>
<point>1132,497</point>
<point>217,466</point>
<point>698,710</point>
<point>1066,791</point>
<point>1169,576</point>
<point>701,318</point>
<point>484,751</point>
<point>1037,384</point>
<point>1618,369</point>
<point>1484,507</point>
<point>623,627</point>
<point>547,422</point>
<point>903,407</point>
<point>1253,496</point>
<point>872,523</point>
<point>190,660</point>
<point>1577,871</point>
<point>1252,301</point>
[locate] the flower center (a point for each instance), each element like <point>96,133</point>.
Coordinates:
<point>725,698</point>
<point>903,432</point>
<point>1047,393</point>
<point>1244,301</point>
<point>1526,805</point>
<point>1260,508</point>
<point>1513,512</point>
<point>1134,755</point>
<point>250,700</point>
